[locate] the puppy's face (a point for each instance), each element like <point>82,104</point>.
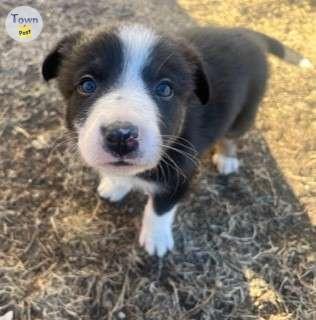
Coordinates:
<point>126,92</point>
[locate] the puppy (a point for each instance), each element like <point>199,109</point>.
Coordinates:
<point>146,106</point>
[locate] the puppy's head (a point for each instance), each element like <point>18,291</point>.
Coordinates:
<point>126,92</point>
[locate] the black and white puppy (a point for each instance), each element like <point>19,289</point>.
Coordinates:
<point>145,106</point>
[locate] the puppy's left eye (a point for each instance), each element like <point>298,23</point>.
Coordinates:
<point>164,89</point>
<point>87,86</point>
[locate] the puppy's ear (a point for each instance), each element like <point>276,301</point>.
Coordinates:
<point>52,62</point>
<point>201,81</point>
<point>202,87</point>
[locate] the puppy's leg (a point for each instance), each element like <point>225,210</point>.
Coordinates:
<point>113,188</point>
<point>156,232</point>
<point>225,157</point>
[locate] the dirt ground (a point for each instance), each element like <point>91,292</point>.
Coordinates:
<point>245,245</point>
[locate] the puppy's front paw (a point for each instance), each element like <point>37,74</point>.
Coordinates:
<point>156,240</point>
<point>112,191</point>
<point>156,233</point>
<point>225,165</point>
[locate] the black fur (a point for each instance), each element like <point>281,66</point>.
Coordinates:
<point>226,69</point>
<point>100,58</point>
<point>170,59</point>
<point>236,69</point>
<point>53,61</point>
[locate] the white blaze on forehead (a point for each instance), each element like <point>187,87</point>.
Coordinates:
<point>138,43</point>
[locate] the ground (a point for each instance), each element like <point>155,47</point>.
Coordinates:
<point>245,244</point>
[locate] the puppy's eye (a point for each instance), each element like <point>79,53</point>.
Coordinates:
<point>164,89</point>
<point>87,86</point>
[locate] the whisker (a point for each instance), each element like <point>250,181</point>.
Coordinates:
<point>193,152</point>
<point>165,178</point>
<point>190,151</point>
<point>194,160</point>
<point>175,138</point>
<point>179,173</point>
<point>175,166</point>
<point>168,166</point>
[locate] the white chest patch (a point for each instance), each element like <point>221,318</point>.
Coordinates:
<point>115,188</point>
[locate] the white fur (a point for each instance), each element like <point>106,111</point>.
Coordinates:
<point>156,233</point>
<point>138,43</point>
<point>224,164</point>
<point>7,316</point>
<point>129,101</point>
<point>115,188</point>
<point>306,64</point>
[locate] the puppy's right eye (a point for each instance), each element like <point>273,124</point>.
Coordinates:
<point>87,86</point>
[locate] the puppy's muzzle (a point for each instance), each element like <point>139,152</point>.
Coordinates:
<point>120,139</point>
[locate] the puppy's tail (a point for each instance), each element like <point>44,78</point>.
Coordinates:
<point>280,50</point>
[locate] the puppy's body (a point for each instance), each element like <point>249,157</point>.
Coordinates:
<point>147,106</point>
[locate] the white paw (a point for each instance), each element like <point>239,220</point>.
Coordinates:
<point>112,191</point>
<point>156,241</point>
<point>225,165</point>
<point>7,316</point>
<point>156,233</point>
<point>306,64</point>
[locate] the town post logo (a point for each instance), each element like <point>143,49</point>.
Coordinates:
<point>24,24</point>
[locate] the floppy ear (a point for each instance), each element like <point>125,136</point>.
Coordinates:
<point>201,81</point>
<point>202,87</point>
<point>52,62</point>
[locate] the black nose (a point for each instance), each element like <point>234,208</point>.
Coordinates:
<point>120,138</point>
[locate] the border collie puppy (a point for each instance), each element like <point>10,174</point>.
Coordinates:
<point>146,106</point>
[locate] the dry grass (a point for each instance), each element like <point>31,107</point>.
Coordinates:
<point>246,246</point>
